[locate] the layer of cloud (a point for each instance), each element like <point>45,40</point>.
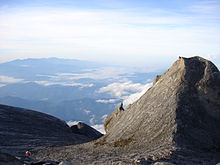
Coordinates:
<point>48,83</point>
<point>121,89</point>
<point>87,111</point>
<point>128,92</point>
<point>107,101</point>
<point>104,117</point>
<point>99,127</point>
<point>99,74</point>
<point>2,85</point>
<point>135,96</point>
<point>7,79</point>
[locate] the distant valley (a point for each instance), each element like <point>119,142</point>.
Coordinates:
<point>72,90</point>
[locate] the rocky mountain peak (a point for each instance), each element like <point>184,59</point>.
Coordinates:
<point>176,121</point>
<point>181,108</point>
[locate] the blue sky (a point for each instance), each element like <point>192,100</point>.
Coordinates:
<point>132,32</point>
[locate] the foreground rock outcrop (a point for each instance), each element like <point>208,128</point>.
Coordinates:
<point>176,121</point>
<point>22,129</point>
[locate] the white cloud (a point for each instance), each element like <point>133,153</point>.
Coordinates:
<point>7,79</point>
<point>71,123</point>
<point>107,101</point>
<point>134,97</point>
<point>127,91</point>
<point>104,117</point>
<point>121,35</point>
<point>120,89</point>
<point>48,83</point>
<point>92,120</point>
<point>206,8</point>
<point>99,127</point>
<point>44,99</point>
<point>98,74</point>
<point>87,111</point>
<point>25,66</point>
<point>2,85</point>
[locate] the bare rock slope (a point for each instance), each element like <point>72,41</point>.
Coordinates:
<point>22,129</point>
<point>182,109</point>
<point>177,121</point>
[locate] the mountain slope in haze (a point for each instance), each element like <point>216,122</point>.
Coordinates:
<point>44,66</point>
<point>87,110</point>
<point>176,121</point>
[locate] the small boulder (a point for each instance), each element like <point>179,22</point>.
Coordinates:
<point>86,130</point>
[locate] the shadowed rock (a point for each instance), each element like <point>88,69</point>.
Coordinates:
<point>22,129</point>
<point>7,159</point>
<point>86,130</point>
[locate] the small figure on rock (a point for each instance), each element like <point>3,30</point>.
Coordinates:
<point>121,107</point>
<point>28,153</point>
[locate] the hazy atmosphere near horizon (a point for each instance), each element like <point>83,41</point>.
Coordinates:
<point>125,32</point>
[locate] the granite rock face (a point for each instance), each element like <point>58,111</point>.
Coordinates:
<point>22,129</point>
<point>181,109</point>
<point>112,118</point>
<point>176,121</point>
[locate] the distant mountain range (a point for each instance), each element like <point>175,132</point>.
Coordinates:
<point>70,89</point>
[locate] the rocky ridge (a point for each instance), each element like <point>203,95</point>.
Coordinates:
<point>181,109</point>
<point>22,129</point>
<point>176,121</point>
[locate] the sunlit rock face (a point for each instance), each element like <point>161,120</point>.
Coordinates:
<point>182,109</point>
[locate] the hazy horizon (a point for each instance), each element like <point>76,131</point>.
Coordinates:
<point>136,33</point>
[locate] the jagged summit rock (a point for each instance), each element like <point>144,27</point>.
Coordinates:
<point>177,120</point>
<point>181,109</point>
<point>22,129</point>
